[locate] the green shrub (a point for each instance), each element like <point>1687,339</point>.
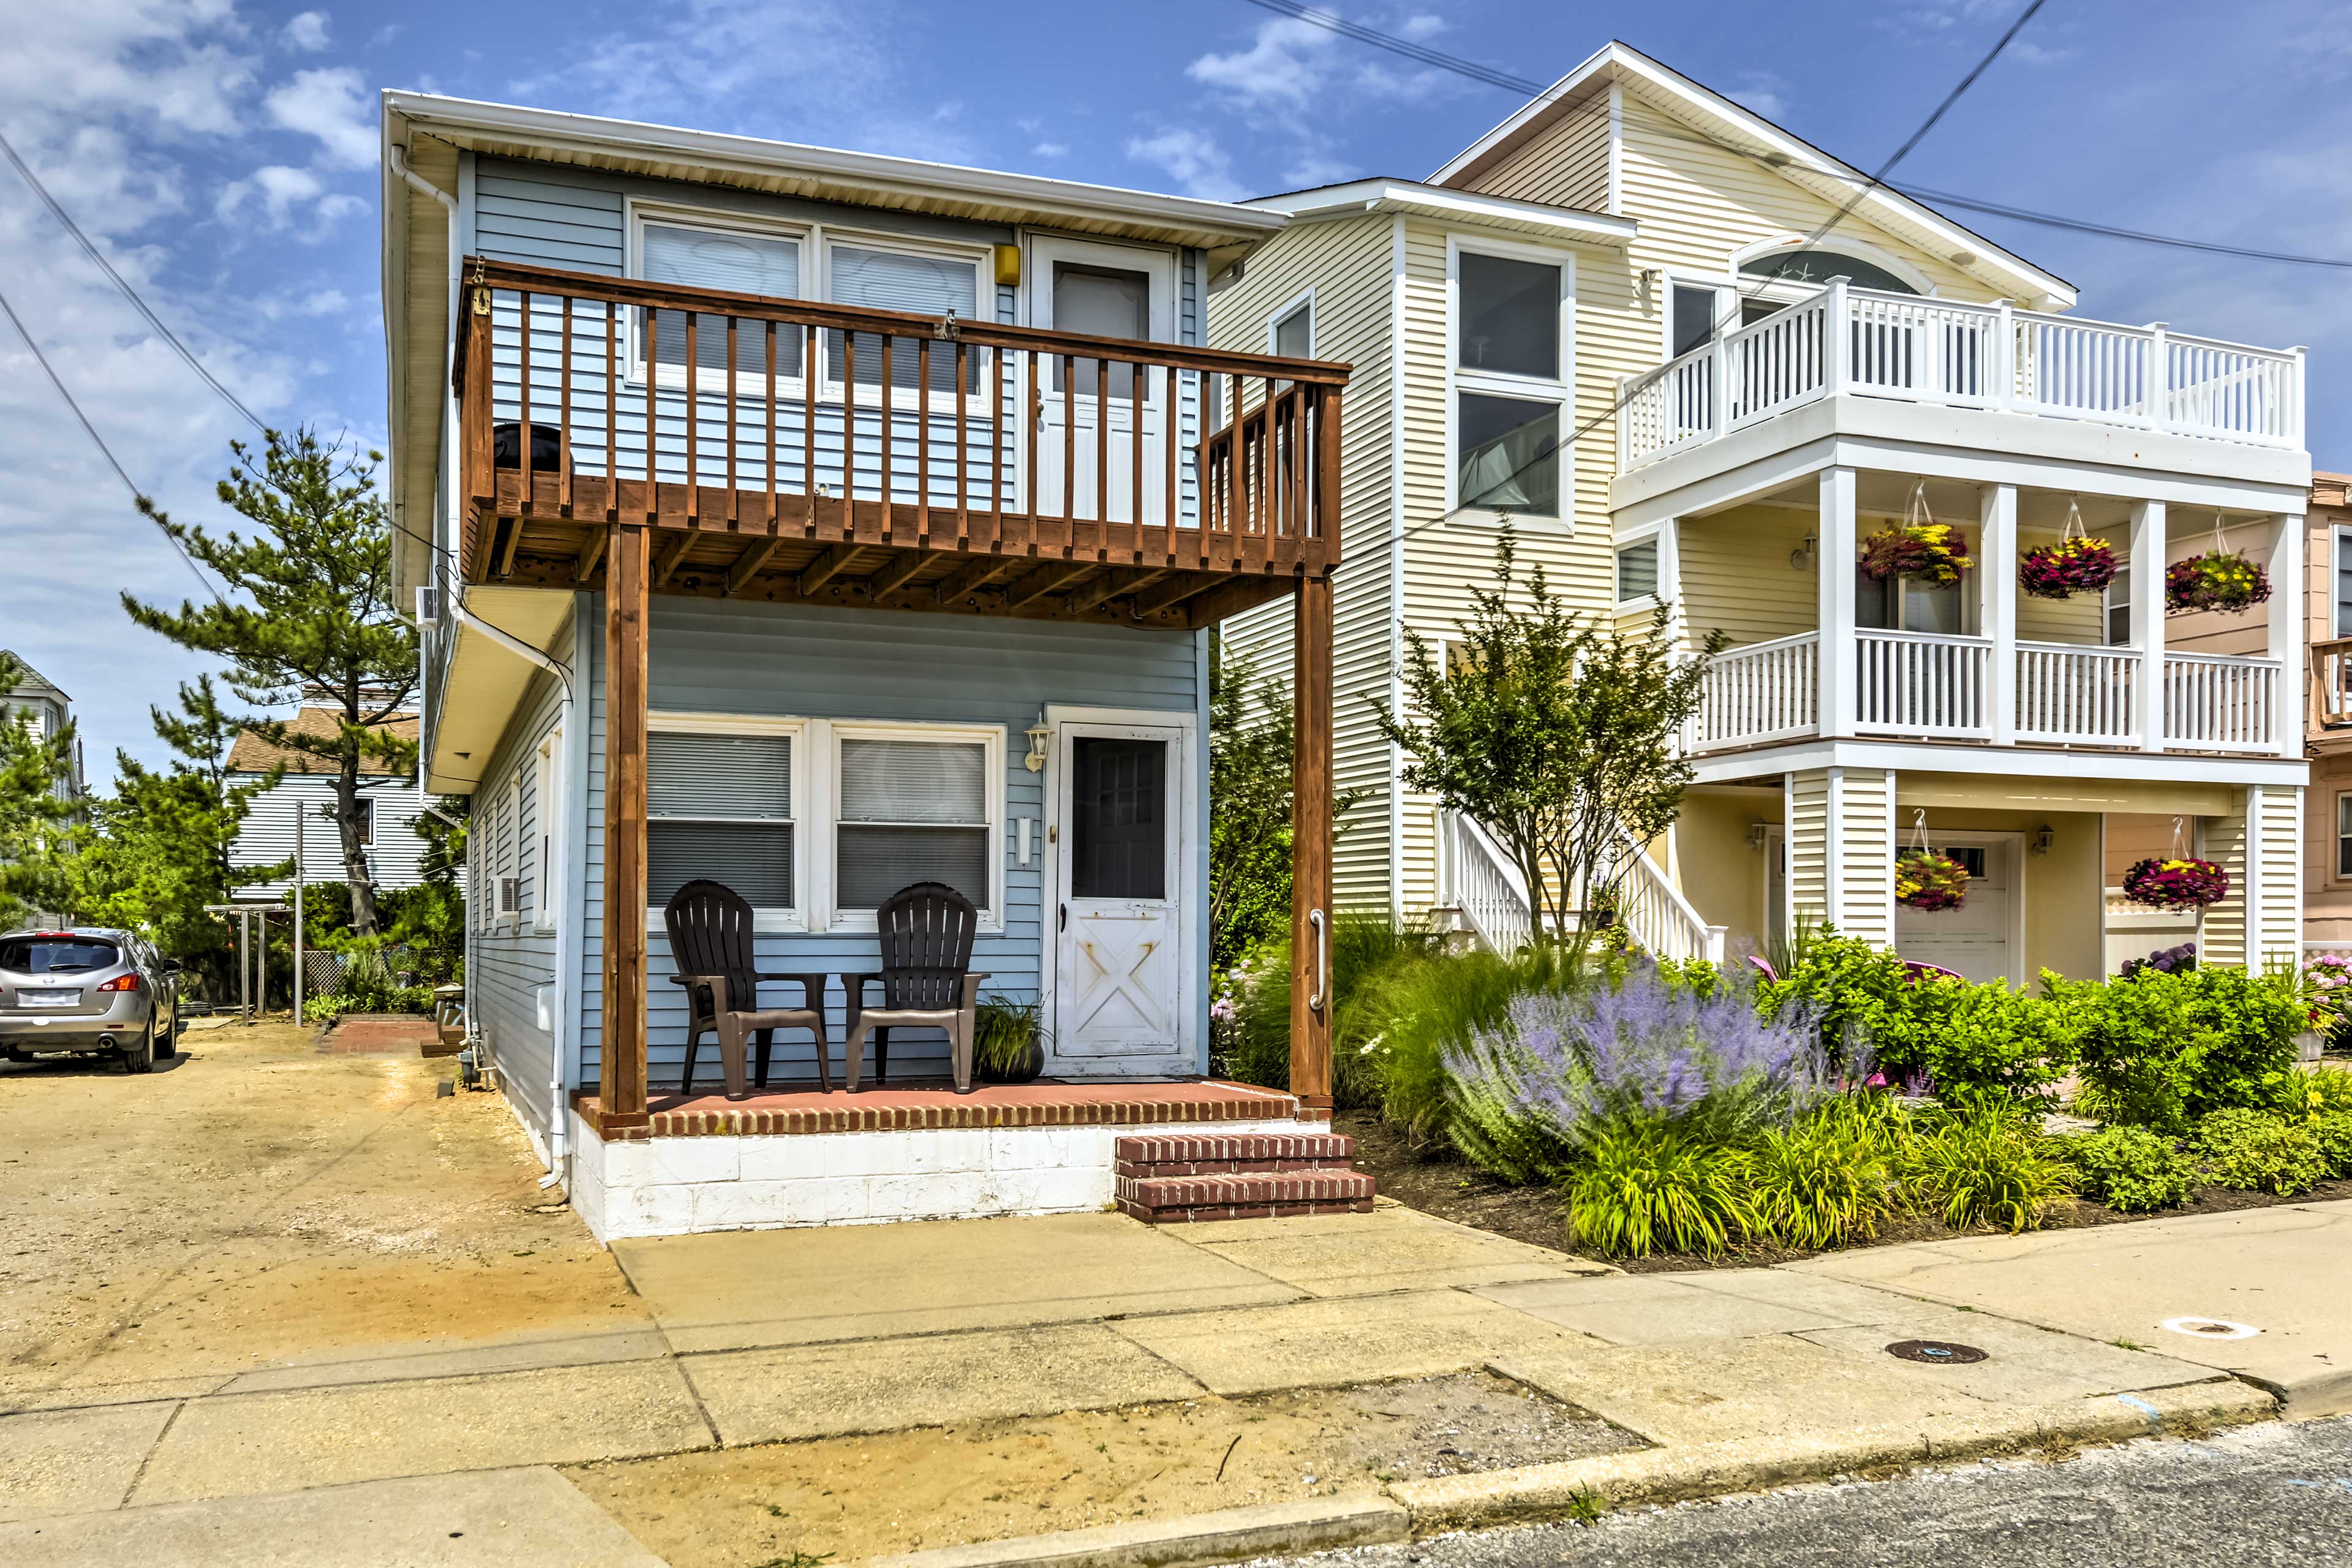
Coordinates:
<point>1986,1165</point>
<point>1854,993</point>
<point>1642,1187</point>
<point>2316,1091</point>
<point>2159,1050</point>
<point>416,999</point>
<point>2134,1170</point>
<point>1826,1179</point>
<point>2262,1154</point>
<point>1259,1040</point>
<point>2334,1130</point>
<point>1399,1024</point>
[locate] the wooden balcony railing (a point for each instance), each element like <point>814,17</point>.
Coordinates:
<point>2331,684</point>
<point>790,449</point>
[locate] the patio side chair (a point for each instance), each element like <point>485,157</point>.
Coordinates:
<point>710,941</point>
<point>926,932</point>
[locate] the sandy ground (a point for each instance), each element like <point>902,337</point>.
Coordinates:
<point>259,1201</point>
<point>851,1498</point>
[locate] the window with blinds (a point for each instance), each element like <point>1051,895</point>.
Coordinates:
<point>901,280</point>
<point>720,259</point>
<point>721,806</point>
<point>911,811</point>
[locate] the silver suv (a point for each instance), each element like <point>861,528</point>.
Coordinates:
<point>87,991</point>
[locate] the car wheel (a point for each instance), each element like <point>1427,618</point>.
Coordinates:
<point>144,1059</point>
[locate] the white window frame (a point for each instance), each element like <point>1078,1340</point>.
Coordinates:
<point>2339,541</point>
<point>991,736</point>
<point>668,377</point>
<point>1527,389</point>
<point>1860,250</point>
<point>2118,588</point>
<point>509,851</point>
<point>1655,543</point>
<point>2336,873</point>
<point>548,805</point>
<point>1727,305</point>
<point>806,811</point>
<point>824,238</point>
<point>1302,301</point>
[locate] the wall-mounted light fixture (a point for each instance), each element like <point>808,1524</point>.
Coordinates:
<point>1759,834</point>
<point>1800,559</point>
<point>2045,837</point>
<point>1039,733</point>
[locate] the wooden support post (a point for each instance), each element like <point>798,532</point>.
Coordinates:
<point>1310,848</point>
<point>621,1072</point>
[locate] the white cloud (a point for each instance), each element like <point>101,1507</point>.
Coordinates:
<point>308,31</point>
<point>1420,27</point>
<point>1763,91</point>
<point>329,104</point>
<point>1050,150</point>
<point>1192,158</point>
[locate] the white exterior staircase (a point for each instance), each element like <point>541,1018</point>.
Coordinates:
<point>1476,879</point>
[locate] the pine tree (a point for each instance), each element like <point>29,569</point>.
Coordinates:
<point>38,815</point>
<point>318,624</point>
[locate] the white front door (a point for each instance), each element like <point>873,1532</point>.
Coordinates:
<point>1104,291</point>
<point>1120,1000</point>
<point>1977,939</point>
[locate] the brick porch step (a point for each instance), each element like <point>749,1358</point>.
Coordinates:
<point>1257,1176</point>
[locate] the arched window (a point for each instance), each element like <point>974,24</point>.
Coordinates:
<point>1818,267</point>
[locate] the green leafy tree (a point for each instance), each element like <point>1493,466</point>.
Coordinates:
<point>1554,733</point>
<point>159,847</point>
<point>1249,822</point>
<point>37,814</point>
<point>318,624</point>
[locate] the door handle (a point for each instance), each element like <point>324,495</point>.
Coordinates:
<point>1322,958</point>
<point>1066,917</point>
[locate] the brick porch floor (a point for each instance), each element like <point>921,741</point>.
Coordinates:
<point>933,1103</point>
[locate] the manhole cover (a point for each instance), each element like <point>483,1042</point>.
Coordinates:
<point>2210,1328</point>
<point>1935,1352</point>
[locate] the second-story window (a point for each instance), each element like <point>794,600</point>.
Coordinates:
<point>896,278</point>
<point>741,261</point>
<point>1512,370</point>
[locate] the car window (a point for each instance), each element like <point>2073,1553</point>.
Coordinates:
<point>56,955</point>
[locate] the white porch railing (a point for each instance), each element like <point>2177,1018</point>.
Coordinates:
<point>2081,696</point>
<point>1920,684</point>
<point>2214,703</point>
<point>1759,692</point>
<point>1915,683</point>
<point>1969,356</point>
<point>1479,879</point>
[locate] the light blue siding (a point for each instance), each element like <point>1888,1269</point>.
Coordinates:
<point>713,656</point>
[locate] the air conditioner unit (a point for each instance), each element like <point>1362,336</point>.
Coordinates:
<point>510,895</point>
<point>429,605</point>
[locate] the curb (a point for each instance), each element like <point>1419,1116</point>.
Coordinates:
<point>1228,1535</point>
<point>1536,1492</point>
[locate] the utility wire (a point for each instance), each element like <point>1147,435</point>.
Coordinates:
<point>1541,93</point>
<point>138,496</point>
<point>57,211</point>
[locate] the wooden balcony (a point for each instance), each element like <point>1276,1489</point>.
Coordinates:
<point>2331,690</point>
<point>939,464</point>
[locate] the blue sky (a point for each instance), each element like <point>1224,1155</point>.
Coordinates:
<point>224,154</point>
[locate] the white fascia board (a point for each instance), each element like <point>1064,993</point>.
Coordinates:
<point>1794,158</point>
<point>1920,756</point>
<point>1416,200</point>
<point>392,286</point>
<point>882,175</point>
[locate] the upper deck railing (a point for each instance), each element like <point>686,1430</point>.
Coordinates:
<point>799,420</point>
<point>1908,347</point>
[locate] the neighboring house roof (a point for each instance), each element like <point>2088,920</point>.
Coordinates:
<point>1717,118</point>
<point>1537,219</point>
<point>33,682</point>
<point>252,754</point>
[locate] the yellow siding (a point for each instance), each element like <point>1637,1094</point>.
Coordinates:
<point>1737,577</point>
<point>1567,166</point>
<point>1809,849</point>
<point>2282,835</point>
<point>1717,868</point>
<point>1348,264</point>
<point>2223,936</point>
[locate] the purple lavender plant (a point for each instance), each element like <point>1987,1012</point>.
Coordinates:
<point>1559,1069</point>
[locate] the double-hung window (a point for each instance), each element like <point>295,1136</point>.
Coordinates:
<point>915,804</point>
<point>739,260</point>
<point>719,805</point>
<point>1513,370</point>
<point>885,277</point>
<point>1637,572</point>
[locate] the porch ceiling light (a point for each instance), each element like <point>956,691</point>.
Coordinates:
<point>1039,733</point>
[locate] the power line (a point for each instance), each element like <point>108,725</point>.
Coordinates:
<point>57,211</point>
<point>137,497</point>
<point>1541,93</point>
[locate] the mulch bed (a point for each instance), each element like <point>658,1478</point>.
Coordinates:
<point>1437,1183</point>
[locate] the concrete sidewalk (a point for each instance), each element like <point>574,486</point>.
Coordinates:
<point>759,1338</point>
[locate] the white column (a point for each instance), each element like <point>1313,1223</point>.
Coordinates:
<point>1670,581</point>
<point>2147,564</point>
<point>2289,602</point>
<point>2252,870</point>
<point>1836,566</point>
<point>1996,585</point>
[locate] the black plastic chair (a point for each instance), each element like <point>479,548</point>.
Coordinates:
<point>925,933</point>
<point>710,941</point>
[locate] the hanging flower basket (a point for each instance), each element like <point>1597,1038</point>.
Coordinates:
<point>1926,880</point>
<point>2217,580</point>
<point>2069,567</point>
<point>2176,884</point>
<point>1931,551</point>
